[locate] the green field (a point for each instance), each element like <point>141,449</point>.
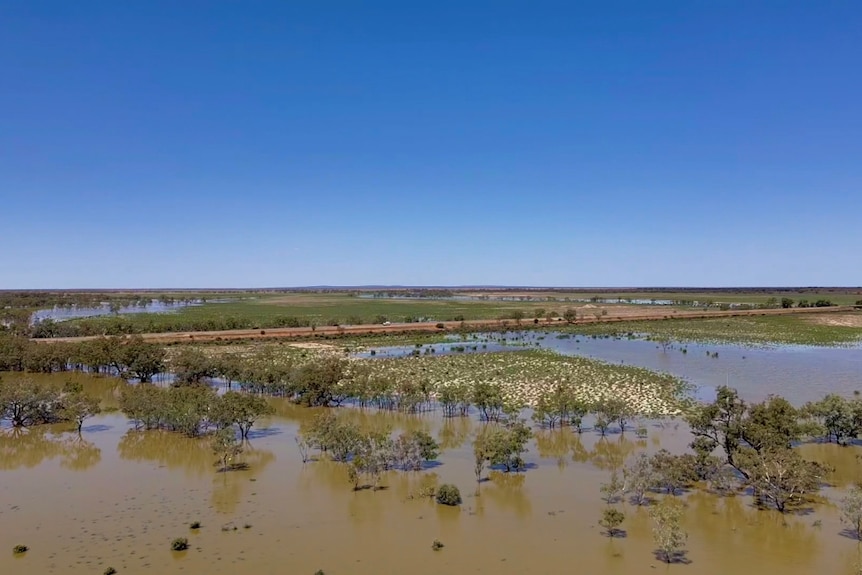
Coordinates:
<point>286,310</point>
<point>296,309</point>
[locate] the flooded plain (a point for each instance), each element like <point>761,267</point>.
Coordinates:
<point>797,372</point>
<point>117,497</point>
<point>62,313</point>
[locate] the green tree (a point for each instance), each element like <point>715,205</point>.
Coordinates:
<point>839,418</point>
<point>414,447</point>
<point>142,360</point>
<point>781,477</point>
<point>226,446</point>
<point>673,472</point>
<point>240,409</point>
<point>639,476</point>
<point>488,399</point>
<point>611,520</point>
<point>502,445</point>
<point>667,529</point>
<point>77,407</point>
<point>24,402</point>
<point>192,366</point>
<point>448,494</point>
<point>318,383</point>
<point>614,489</point>
<point>851,511</point>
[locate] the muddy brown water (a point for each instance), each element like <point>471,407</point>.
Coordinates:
<point>117,497</point>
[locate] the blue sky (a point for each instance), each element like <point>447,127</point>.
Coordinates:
<point>244,144</point>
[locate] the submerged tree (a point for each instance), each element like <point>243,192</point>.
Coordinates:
<point>226,446</point>
<point>240,409</point>
<point>77,407</point>
<point>614,489</point>
<point>611,520</point>
<point>502,445</point>
<point>672,472</point>
<point>639,477</point>
<point>781,477</point>
<point>851,511</point>
<point>667,529</point>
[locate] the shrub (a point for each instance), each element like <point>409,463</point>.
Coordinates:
<point>195,525</point>
<point>110,571</point>
<point>448,494</point>
<point>18,549</point>
<point>437,545</point>
<point>179,544</point>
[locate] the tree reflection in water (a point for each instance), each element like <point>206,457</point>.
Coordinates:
<point>29,447</point>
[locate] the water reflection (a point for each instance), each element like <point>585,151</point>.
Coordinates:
<point>192,455</point>
<point>454,432</point>
<point>30,447</point>
<point>61,313</point>
<point>506,491</point>
<point>783,540</point>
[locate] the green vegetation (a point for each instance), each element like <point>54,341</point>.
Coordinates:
<point>296,310</point>
<point>128,357</point>
<point>367,452</point>
<point>437,545</point>
<point>25,402</point>
<point>502,445</point>
<point>494,381</point>
<point>110,571</point>
<point>756,330</point>
<point>611,520</point>
<point>305,309</point>
<point>179,544</point>
<point>851,511</point>
<point>448,494</point>
<point>190,409</point>
<point>195,525</point>
<point>226,446</point>
<point>19,549</point>
<point>756,441</point>
<point>667,530</point>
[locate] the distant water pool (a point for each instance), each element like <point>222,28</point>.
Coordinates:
<point>798,373</point>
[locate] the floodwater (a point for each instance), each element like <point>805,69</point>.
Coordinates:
<point>62,313</point>
<point>799,373</point>
<point>117,497</point>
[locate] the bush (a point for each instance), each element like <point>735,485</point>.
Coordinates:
<point>195,525</point>
<point>437,545</point>
<point>18,549</point>
<point>448,494</point>
<point>110,571</point>
<point>179,544</point>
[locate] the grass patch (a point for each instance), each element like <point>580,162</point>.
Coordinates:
<point>179,544</point>
<point>750,330</point>
<point>527,375</point>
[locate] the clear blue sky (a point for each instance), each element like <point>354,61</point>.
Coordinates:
<point>604,143</point>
